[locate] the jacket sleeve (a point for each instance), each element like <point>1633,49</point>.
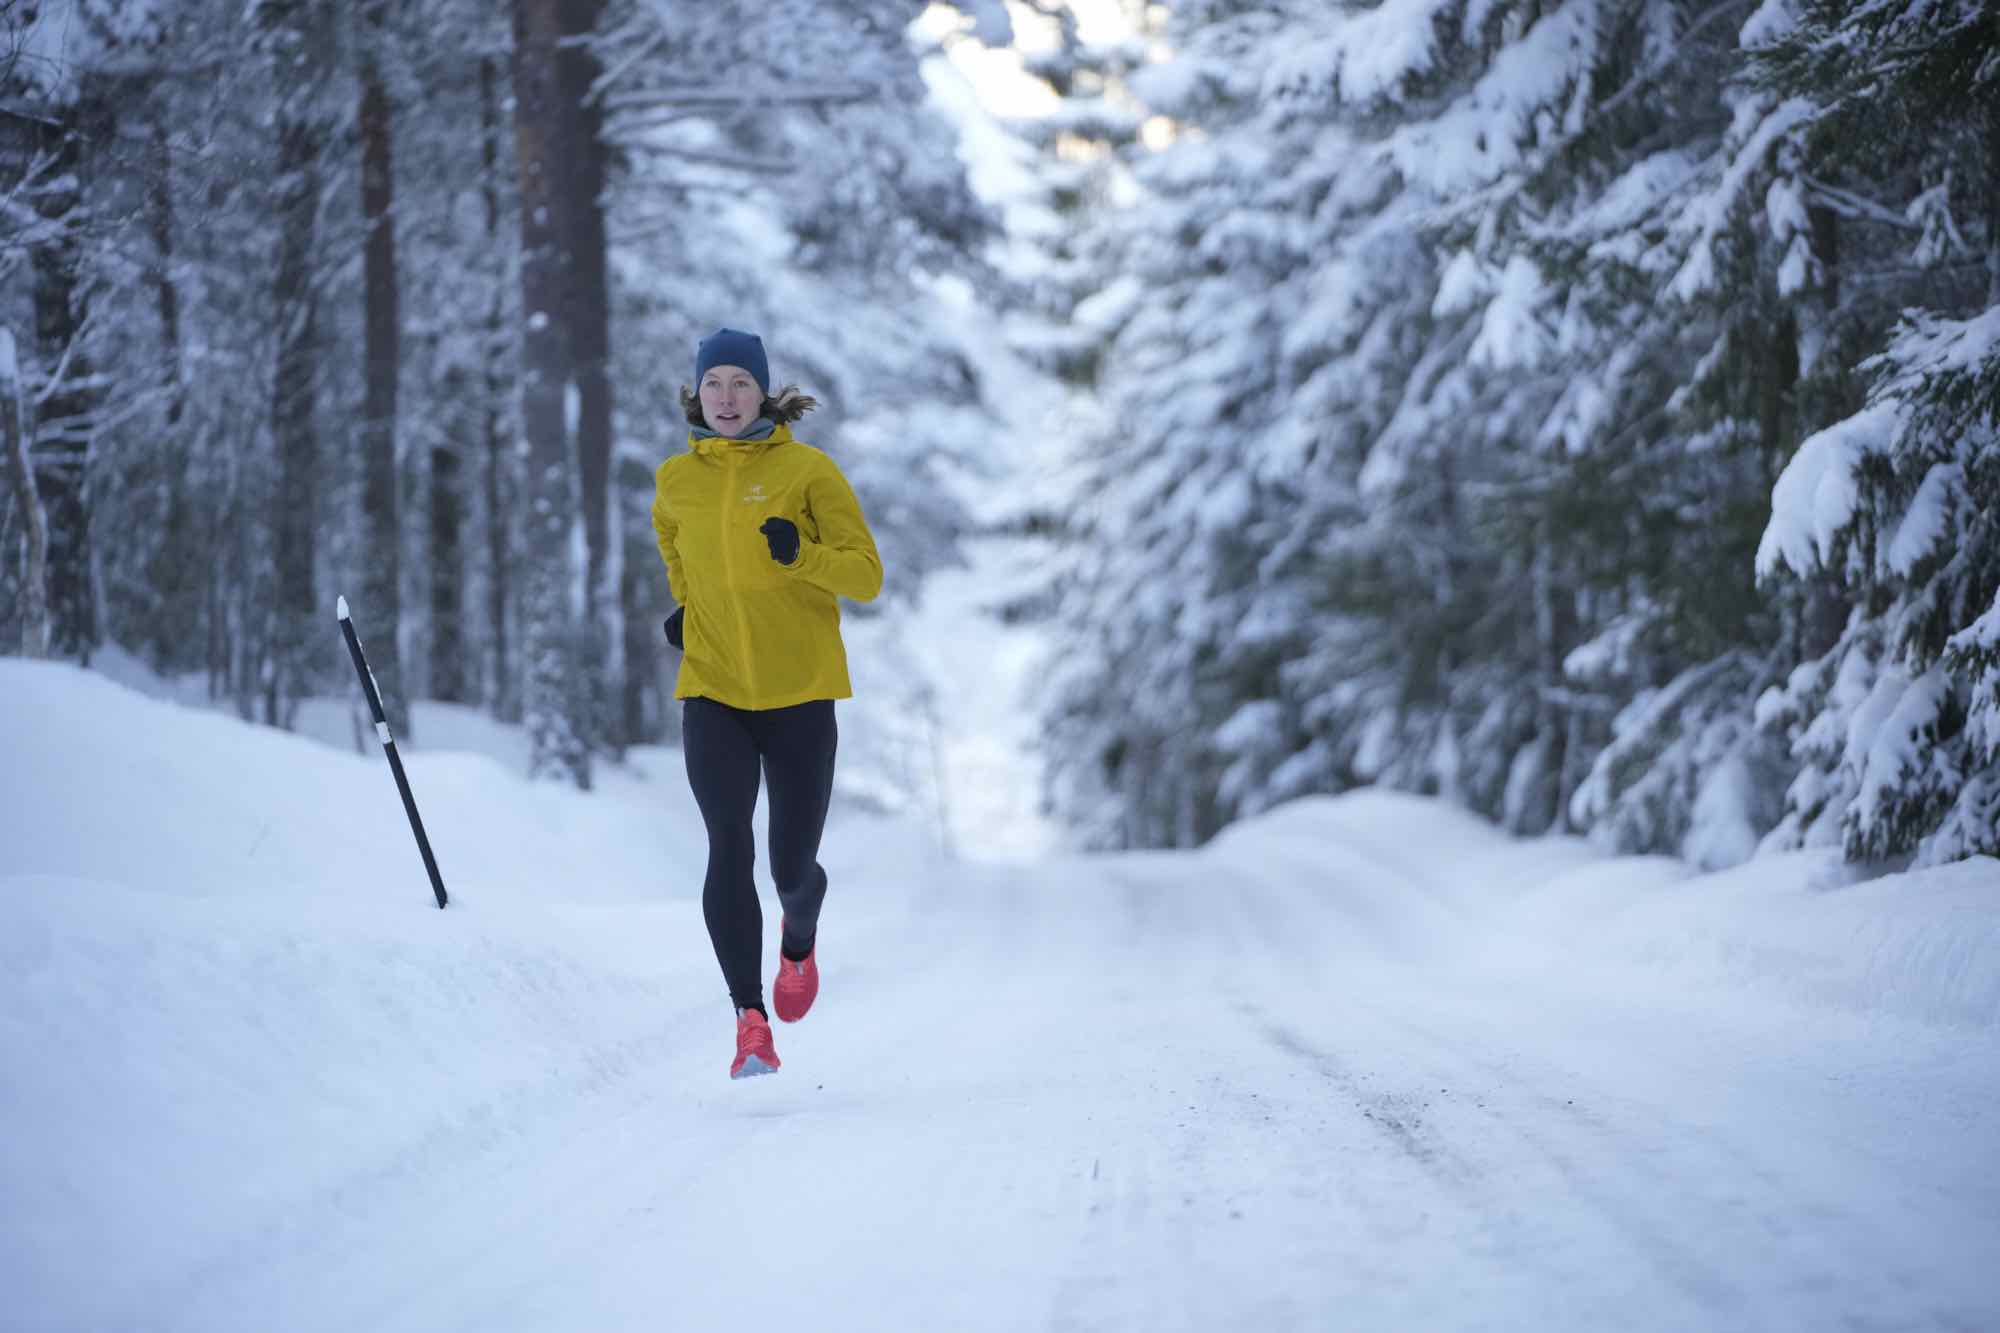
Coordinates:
<point>667,532</point>
<point>843,561</point>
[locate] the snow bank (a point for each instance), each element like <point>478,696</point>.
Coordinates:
<point>244,1066</point>
<point>1791,930</point>
<point>177,800</point>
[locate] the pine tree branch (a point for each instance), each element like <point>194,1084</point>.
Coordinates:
<point>22,113</point>
<point>1645,78</point>
<point>613,73</point>
<point>1563,696</point>
<point>786,95</point>
<point>55,381</point>
<point>1848,204</point>
<point>1479,202</point>
<point>648,232</point>
<point>616,128</point>
<point>700,157</point>
<point>30,227</point>
<point>1912,272</point>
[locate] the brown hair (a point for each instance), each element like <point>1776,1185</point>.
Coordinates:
<point>784,407</point>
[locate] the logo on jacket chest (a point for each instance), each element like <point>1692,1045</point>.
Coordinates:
<point>756,496</point>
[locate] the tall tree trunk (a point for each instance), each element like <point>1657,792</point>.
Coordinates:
<point>588,314</point>
<point>14,440</point>
<point>382,564</point>
<point>555,703</point>
<point>173,575</point>
<point>1993,199</point>
<point>638,585</point>
<point>160,214</point>
<point>294,424</point>
<point>1822,399</point>
<point>502,696</point>
<point>1560,624</point>
<point>1552,717</point>
<point>448,674</point>
<point>66,421</point>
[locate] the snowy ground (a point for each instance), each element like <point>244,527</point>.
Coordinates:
<point>1362,1064</point>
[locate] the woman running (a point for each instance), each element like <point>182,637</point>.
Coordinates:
<point>761,535</point>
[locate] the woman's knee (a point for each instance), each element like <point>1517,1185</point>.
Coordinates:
<point>794,873</point>
<point>732,844</point>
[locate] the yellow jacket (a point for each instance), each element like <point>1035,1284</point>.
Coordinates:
<point>758,634</point>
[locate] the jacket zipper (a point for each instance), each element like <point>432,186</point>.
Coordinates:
<point>726,532</point>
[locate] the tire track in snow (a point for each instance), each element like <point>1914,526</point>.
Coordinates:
<point>1442,1143</point>
<point>1729,1223</point>
<point>1605,1165</point>
<point>1458,1142</point>
<point>1398,1116</point>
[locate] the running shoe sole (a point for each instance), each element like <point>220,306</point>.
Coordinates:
<point>753,1067</point>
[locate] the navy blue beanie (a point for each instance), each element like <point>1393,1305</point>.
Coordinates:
<point>732,347</point>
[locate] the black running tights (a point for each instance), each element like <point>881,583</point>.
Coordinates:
<point>725,747</point>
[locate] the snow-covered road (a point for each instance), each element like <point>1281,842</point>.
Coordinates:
<point>1363,1065</point>
<point>1135,1098</point>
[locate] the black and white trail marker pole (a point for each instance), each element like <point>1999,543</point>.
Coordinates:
<point>389,747</point>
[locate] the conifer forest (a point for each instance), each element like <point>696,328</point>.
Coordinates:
<point>1585,410</point>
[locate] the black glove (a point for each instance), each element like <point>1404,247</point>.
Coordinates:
<point>673,626</point>
<point>783,535</point>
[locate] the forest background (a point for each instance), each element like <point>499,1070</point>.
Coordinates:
<point>1582,410</point>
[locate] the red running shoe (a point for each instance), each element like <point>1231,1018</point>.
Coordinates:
<point>797,986</point>
<point>754,1052</point>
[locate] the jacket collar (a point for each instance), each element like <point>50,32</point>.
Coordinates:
<point>721,446</point>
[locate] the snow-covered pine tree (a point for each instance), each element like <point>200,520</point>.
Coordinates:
<point>1428,344</point>
<point>1564,292</point>
<point>1405,207</point>
<point>1064,295</point>
<point>456,233</point>
<point>1894,725</point>
<point>1612,505</point>
<point>1167,708</point>
<point>61,117</point>
<point>225,382</point>
<point>192,588</point>
<point>1685,304</point>
<point>1062,168</point>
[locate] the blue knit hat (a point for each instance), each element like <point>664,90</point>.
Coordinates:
<point>732,347</point>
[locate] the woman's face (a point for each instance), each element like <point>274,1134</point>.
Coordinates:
<point>730,397</point>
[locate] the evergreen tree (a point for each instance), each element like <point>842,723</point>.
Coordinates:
<point>1893,725</point>
<point>1383,594</point>
<point>1536,300</point>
